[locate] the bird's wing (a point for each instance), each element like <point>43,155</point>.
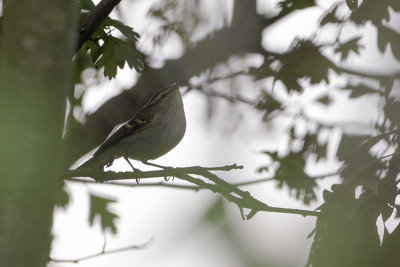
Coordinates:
<point>136,124</point>
<point>140,120</point>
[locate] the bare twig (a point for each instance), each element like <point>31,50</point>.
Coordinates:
<point>103,253</point>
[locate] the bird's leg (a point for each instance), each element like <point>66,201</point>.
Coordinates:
<point>133,168</point>
<point>169,169</point>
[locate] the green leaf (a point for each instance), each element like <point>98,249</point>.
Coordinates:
<point>387,211</point>
<point>304,60</point>
<point>268,103</point>
<point>360,90</point>
<point>115,53</point>
<point>325,100</point>
<point>352,4</point>
<point>352,45</point>
<point>108,60</point>
<point>262,72</point>
<point>99,208</point>
<point>124,52</point>
<point>373,11</point>
<point>62,198</point>
<point>291,173</point>
<point>330,17</point>
<point>388,36</point>
<point>216,212</point>
<point>86,4</point>
<point>82,62</point>
<point>291,5</point>
<point>127,31</point>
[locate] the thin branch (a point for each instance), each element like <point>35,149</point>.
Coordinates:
<point>94,19</point>
<point>167,172</point>
<point>231,192</point>
<point>161,184</point>
<point>103,253</point>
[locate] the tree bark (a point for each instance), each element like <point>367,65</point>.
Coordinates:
<point>38,39</point>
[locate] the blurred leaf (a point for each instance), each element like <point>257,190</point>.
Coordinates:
<point>288,6</point>
<point>388,36</point>
<point>82,62</point>
<point>99,208</point>
<point>62,198</point>
<point>268,104</point>
<point>352,4</point>
<point>325,100</point>
<point>330,17</point>
<point>304,60</point>
<point>262,72</point>
<point>345,229</point>
<point>216,212</point>
<point>360,164</point>
<point>371,10</point>
<point>86,4</point>
<point>352,45</point>
<point>320,150</point>
<point>350,145</point>
<point>360,90</point>
<point>273,156</point>
<point>387,211</point>
<point>291,173</point>
<point>395,4</point>
<point>392,111</point>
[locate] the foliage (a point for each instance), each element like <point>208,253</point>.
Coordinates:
<point>99,208</point>
<point>346,222</point>
<point>366,190</point>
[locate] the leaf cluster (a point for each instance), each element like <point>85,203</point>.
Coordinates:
<point>104,50</point>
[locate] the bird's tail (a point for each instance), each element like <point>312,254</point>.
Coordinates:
<point>96,163</point>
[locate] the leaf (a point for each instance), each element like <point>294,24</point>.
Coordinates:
<point>320,150</point>
<point>216,212</point>
<point>115,53</point>
<point>124,52</point>
<point>291,173</point>
<point>388,36</point>
<point>82,62</point>
<point>264,71</point>
<point>352,45</point>
<point>99,209</point>
<point>387,211</point>
<point>127,31</point>
<point>304,60</point>
<point>392,110</point>
<point>62,198</point>
<point>268,103</point>
<point>325,100</point>
<point>108,60</point>
<point>373,11</point>
<point>288,6</point>
<point>360,90</point>
<point>86,4</point>
<point>352,4</point>
<point>330,17</point>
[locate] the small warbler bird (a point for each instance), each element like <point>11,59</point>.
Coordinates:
<point>152,132</point>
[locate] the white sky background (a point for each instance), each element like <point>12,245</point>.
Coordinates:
<point>172,216</point>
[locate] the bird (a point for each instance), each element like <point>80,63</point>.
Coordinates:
<point>151,132</point>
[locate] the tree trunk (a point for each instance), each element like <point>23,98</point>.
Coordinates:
<point>37,42</point>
